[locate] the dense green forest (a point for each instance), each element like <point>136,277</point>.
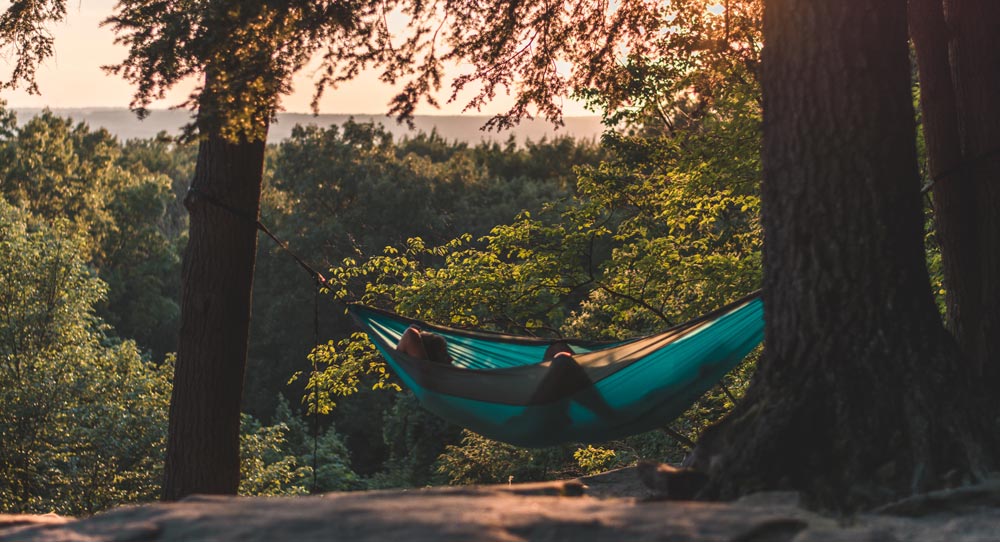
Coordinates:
<point>541,238</point>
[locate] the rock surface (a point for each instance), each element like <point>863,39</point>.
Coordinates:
<point>611,507</point>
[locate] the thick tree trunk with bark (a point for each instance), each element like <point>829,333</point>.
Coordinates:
<point>977,77</point>
<point>972,29</point>
<point>204,431</point>
<point>860,396</point>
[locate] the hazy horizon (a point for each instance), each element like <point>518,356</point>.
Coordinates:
<point>123,123</point>
<point>282,112</point>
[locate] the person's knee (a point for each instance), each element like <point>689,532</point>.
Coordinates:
<point>556,348</point>
<point>564,359</point>
<point>410,343</point>
<point>411,334</point>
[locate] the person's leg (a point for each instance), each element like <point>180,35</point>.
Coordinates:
<point>411,345</point>
<point>564,377</point>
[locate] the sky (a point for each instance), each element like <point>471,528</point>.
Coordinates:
<point>73,78</point>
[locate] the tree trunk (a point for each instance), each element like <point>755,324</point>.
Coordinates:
<point>204,430</point>
<point>860,396</point>
<point>953,191</point>
<point>975,68</point>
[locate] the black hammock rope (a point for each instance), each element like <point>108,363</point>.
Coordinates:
<point>239,213</point>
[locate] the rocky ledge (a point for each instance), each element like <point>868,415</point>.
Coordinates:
<point>611,507</point>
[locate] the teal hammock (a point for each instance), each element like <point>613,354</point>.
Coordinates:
<point>498,385</point>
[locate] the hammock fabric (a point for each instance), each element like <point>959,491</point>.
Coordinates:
<point>499,387</point>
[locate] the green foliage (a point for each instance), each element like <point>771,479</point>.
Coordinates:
<point>332,457</point>
<point>142,266</point>
<point>593,459</point>
<point>58,170</point>
<point>357,190</point>
<point>538,239</point>
<point>278,459</point>
<point>479,460</point>
<point>682,231</point>
<point>706,57</point>
<point>125,211</point>
<point>265,468</point>
<point>83,415</point>
<point>348,362</point>
<point>414,438</point>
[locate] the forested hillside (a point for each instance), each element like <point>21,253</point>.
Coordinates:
<point>541,238</point>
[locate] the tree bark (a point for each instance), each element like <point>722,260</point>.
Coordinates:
<point>953,191</point>
<point>204,429</point>
<point>975,69</point>
<point>860,396</point>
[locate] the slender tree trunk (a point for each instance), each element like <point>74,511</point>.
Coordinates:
<point>203,439</point>
<point>860,396</point>
<point>975,65</point>
<point>953,192</point>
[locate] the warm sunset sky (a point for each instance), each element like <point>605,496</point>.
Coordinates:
<point>73,78</point>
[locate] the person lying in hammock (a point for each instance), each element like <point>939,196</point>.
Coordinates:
<point>421,344</point>
<point>424,345</point>
<point>565,377</point>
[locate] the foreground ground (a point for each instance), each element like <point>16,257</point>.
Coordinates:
<point>609,507</point>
